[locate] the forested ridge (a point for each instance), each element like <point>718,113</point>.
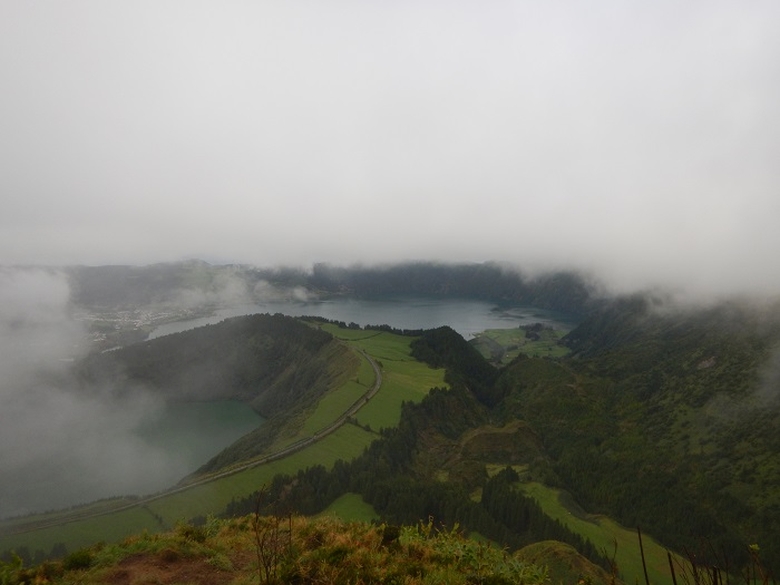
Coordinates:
<point>269,361</point>
<point>133,286</point>
<point>678,420</point>
<point>561,291</point>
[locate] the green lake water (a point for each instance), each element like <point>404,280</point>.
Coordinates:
<point>194,432</point>
<point>166,443</point>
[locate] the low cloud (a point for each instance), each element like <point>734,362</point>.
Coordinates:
<point>265,292</point>
<point>61,444</point>
<point>637,141</point>
<point>226,290</point>
<point>767,394</point>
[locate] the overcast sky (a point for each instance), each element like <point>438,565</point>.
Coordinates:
<point>640,140</point>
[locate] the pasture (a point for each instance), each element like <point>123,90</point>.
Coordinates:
<point>404,379</point>
<point>351,508</point>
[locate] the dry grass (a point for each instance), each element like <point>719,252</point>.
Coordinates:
<point>323,550</point>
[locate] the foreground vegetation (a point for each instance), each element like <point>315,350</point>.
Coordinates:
<point>272,549</point>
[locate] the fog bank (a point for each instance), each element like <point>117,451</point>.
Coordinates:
<point>59,444</point>
<point>636,141</point>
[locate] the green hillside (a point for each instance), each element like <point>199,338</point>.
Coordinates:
<point>678,421</point>
<point>648,417</point>
<point>272,549</point>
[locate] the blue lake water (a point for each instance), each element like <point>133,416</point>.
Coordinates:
<point>465,316</point>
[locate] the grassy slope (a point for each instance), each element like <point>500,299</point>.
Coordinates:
<point>352,508</point>
<point>565,566</point>
<point>294,550</point>
<point>404,378</point>
<point>605,534</point>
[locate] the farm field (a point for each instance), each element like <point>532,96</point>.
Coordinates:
<point>404,379</point>
<point>351,508</point>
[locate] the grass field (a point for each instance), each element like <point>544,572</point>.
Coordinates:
<point>604,533</point>
<point>332,406</point>
<point>351,508</point>
<point>404,379</point>
<point>109,528</point>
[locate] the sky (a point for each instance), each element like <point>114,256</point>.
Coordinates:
<point>635,140</point>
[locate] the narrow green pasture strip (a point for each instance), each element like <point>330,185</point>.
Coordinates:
<point>110,528</point>
<point>351,508</point>
<point>335,403</point>
<point>384,346</point>
<point>365,375</point>
<point>332,406</point>
<point>346,443</point>
<point>603,532</point>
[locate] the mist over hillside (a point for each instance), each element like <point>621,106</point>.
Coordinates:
<point>52,432</point>
<point>615,164</point>
<point>73,417</point>
<point>639,372</point>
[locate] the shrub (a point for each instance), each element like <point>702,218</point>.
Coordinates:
<point>80,559</point>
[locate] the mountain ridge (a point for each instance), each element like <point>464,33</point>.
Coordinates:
<point>659,417</point>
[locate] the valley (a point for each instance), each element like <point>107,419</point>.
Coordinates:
<point>543,430</point>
